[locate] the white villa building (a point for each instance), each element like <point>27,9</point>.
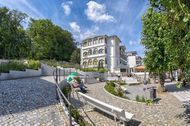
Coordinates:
<point>104,51</point>
<point>134,60</point>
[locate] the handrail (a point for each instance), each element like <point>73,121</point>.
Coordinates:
<point>58,89</point>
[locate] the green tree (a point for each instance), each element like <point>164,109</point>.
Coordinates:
<point>166,37</point>
<point>155,39</point>
<point>75,57</point>
<point>50,41</point>
<point>14,43</point>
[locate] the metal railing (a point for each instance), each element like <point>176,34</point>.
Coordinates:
<point>56,75</point>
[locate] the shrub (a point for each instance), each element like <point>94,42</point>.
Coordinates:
<point>119,92</point>
<point>33,64</point>
<point>149,101</point>
<point>110,87</point>
<point>12,65</point>
<point>66,90</point>
<point>63,64</point>
<point>101,70</point>
<point>142,99</point>
<point>138,98</point>
<point>78,118</point>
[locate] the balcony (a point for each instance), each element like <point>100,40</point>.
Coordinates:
<point>94,45</point>
<point>94,56</point>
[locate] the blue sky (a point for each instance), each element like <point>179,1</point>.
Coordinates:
<point>85,18</point>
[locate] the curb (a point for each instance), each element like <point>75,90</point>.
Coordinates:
<point>132,101</point>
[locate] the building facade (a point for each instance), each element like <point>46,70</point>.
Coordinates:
<point>104,51</point>
<point>134,60</point>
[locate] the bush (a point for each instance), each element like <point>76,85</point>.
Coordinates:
<point>101,70</point>
<point>66,90</point>
<point>143,99</point>
<point>78,118</point>
<point>12,65</point>
<point>33,64</point>
<point>63,64</point>
<point>138,98</point>
<point>110,87</point>
<point>149,101</point>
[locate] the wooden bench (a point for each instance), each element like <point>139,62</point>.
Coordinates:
<point>109,109</point>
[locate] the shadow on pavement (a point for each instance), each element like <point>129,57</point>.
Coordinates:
<point>171,87</point>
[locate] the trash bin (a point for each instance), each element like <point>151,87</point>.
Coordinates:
<point>152,93</point>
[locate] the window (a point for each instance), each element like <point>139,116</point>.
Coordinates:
<point>101,51</point>
<point>95,62</point>
<point>90,52</point>
<point>101,63</point>
<point>85,54</point>
<point>85,44</point>
<point>89,62</point>
<point>95,51</point>
<point>84,63</point>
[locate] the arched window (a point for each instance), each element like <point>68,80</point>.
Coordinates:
<point>90,52</point>
<point>95,62</point>
<point>85,54</point>
<point>101,63</point>
<point>84,63</point>
<point>100,51</point>
<point>89,62</point>
<point>95,51</point>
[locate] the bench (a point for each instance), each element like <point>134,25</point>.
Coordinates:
<point>109,109</point>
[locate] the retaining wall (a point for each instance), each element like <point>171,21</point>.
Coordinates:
<point>20,74</point>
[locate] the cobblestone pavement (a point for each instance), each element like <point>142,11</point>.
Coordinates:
<point>182,94</point>
<point>29,102</point>
<point>166,113</point>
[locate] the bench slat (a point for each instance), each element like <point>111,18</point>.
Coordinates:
<point>109,109</point>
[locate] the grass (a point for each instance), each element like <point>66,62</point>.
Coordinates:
<point>19,65</point>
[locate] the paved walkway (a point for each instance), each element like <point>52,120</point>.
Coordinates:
<point>29,102</point>
<point>182,94</point>
<point>164,114</point>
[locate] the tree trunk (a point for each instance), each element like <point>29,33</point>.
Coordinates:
<point>161,87</point>
<point>172,76</point>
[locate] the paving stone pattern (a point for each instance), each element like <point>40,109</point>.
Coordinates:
<point>166,113</point>
<point>30,102</point>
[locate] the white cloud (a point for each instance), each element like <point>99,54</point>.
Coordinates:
<point>132,42</point>
<point>89,32</point>
<point>74,26</point>
<point>79,34</point>
<point>97,12</point>
<point>24,6</point>
<point>66,7</point>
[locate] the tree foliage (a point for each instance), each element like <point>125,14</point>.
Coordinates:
<point>50,41</point>
<point>41,40</point>
<point>14,42</point>
<point>75,57</point>
<point>166,36</point>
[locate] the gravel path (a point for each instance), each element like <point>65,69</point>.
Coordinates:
<point>29,102</point>
<point>164,114</point>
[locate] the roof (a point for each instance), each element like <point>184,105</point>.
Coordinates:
<point>93,36</point>
<point>142,68</point>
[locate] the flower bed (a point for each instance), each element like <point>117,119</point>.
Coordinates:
<point>19,65</point>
